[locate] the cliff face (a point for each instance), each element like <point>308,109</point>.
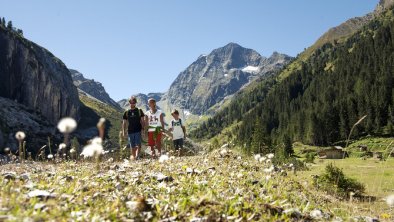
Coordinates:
<point>32,76</point>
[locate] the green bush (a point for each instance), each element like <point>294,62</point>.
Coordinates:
<point>334,182</point>
<point>310,157</point>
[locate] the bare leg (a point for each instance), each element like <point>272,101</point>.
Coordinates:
<point>138,150</point>
<point>152,148</point>
<point>133,151</point>
<point>158,145</point>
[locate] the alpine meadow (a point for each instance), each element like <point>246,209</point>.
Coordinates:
<point>98,133</point>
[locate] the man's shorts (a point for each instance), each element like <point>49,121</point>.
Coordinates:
<point>151,139</point>
<point>135,139</point>
<point>178,144</point>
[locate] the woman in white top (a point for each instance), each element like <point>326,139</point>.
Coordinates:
<point>155,122</point>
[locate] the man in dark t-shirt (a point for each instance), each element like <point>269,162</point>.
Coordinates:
<point>134,117</point>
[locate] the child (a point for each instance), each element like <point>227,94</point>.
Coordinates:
<point>178,131</point>
<point>155,122</point>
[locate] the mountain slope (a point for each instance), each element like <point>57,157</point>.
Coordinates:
<point>34,77</point>
<point>142,100</point>
<point>92,88</point>
<point>319,102</point>
<point>337,34</point>
<point>223,72</point>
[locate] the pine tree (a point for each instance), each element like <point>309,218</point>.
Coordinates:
<point>9,25</point>
<point>288,148</point>
<point>260,143</point>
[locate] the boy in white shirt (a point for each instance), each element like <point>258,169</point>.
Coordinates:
<point>178,131</point>
<point>155,122</point>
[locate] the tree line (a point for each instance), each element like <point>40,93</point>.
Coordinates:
<point>8,25</point>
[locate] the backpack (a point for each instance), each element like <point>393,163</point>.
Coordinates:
<point>180,121</point>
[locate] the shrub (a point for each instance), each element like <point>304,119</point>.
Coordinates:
<point>334,182</point>
<point>310,157</point>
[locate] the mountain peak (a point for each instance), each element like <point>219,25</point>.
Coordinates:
<point>232,45</point>
<point>93,88</point>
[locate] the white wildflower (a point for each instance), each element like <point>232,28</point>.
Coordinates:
<point>50,156</point>
<point>97,140</point>
<point>93,149</point>
<point>223,152</point>
<point>262,159</point>
<point>316,214</point>
<point>67,125</point>
<point>257,157</point>
<point>270,155</point>
<point>269,170</point>
<point>390,200</point>
<point>20,135</point>
<point>72,150</point>
<point>163,158</point>
<point>62,146</point>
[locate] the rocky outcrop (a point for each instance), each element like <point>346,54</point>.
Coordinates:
<point>92,88</point>
<point>223,72</point>
<point>16,117</point>
<point>32,76</point>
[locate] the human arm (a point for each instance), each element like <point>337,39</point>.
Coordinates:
<point>124,124</point>
<point>162,121</point>
<point>146,124</point>
<point>184,132</point>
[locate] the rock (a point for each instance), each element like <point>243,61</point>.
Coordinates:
<point>9,176</point>
<point>161,177</point>
<point>42,194</point>
<point>32,76</point>
<point>25,176</point>
<point>39,206</point>
<point>1,139</point>
<point>118,186</point>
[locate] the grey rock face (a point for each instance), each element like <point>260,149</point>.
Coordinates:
<point>17,117</point>
<point>222,73</point>
<point>1,139</point>
<point>93,88</point>
<point>32,76</point>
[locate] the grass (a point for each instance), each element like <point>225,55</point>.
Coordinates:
<point>113,117</point>
<point>373,143</point>
<point>218,186</point>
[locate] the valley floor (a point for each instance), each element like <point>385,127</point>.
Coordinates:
<point>219,186</point>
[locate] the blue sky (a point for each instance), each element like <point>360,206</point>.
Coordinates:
<point>141,46</point>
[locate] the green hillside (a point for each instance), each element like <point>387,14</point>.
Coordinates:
<point>93,110</point>
<point>320,101</point>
